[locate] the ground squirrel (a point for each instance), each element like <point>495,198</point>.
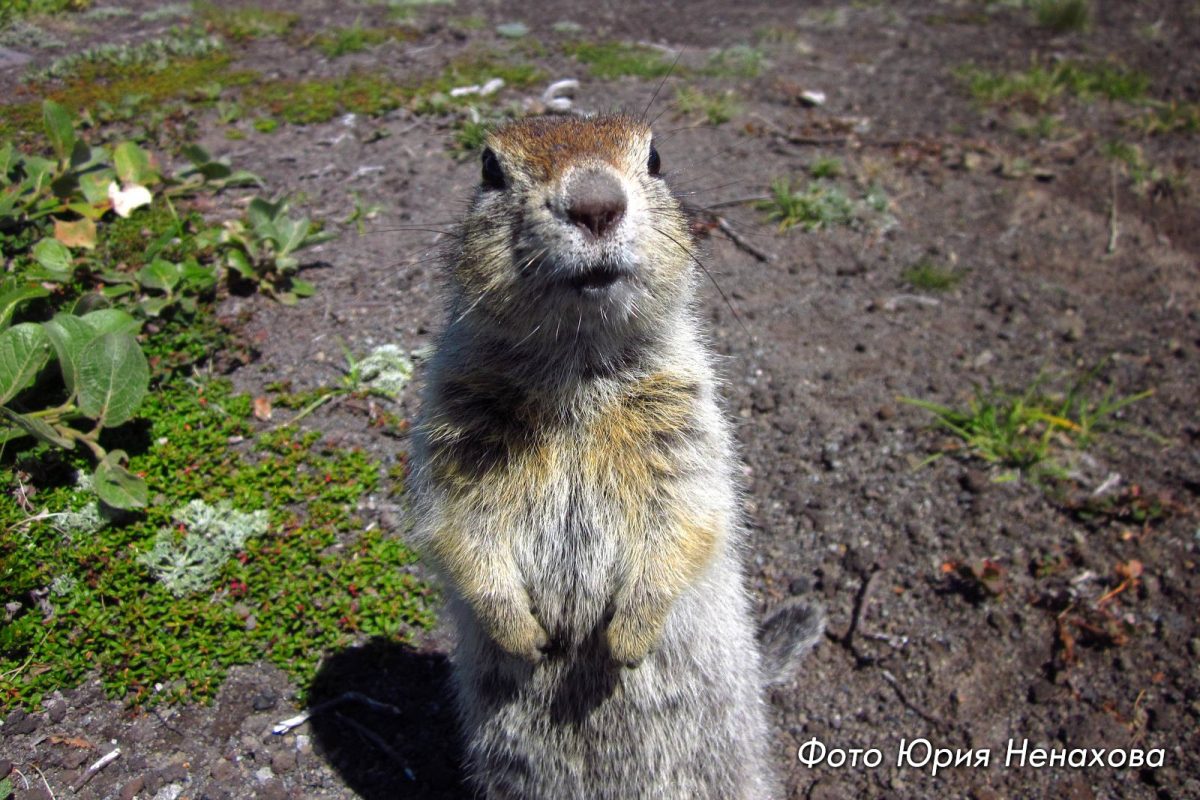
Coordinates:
<point>576,487</point>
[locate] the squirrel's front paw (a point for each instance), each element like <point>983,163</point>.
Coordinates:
<point>631,637</point>
<point>523,636</point>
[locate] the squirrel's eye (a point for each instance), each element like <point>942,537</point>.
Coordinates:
<point>654,163</point>
<point>493,176</point>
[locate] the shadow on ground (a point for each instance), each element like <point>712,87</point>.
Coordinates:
<point>385,722</point>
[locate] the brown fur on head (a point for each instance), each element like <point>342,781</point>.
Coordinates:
<point>572,235</point>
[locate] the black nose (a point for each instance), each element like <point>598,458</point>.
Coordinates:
<point>596,202</point>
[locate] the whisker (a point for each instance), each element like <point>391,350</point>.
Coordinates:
<point>659,88</point>
<point>470,308</point>
<point>529,335</point>
<point>426,228</point>
<point>688,252</point>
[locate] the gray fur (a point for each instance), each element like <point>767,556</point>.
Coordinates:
<point>539,571</point>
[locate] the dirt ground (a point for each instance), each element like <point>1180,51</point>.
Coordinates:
<point>1051,646</point>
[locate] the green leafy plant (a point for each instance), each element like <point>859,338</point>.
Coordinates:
<point>1132,160</point>
<point>1062,16</point>
<point>363,213</point>
<point>80,184</point>
<point>382,373</point>
<point>261,248</point>
<point>152,55</point>
<point>738,61</point>
<point>315,578</point>
<point>1038,87</point>
<point>105,376</point>
<point>931,277</point>
<point>470,134</point>
<point>210,173</point>
<point>818,206</point>
<point>77,181</point>
<point>826,167</point>
<point>715,108</point>
<point>82,187</point>
<point>1027,432</point>
<point>1164,118</point>
<point>74,225</point>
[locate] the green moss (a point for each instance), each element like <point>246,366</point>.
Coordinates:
<point>309,102</point>
<point>481,67</point>
<point>343,41</point>
<point>247,22</point>
<point>467,24</point>
<point>1062,16</point>
<point>127,240</point>
<point>315,581</point>
<point>1042,84</point>
<point>96,84</point>
<point>181,342</point>
<point>15,9</point>
<point>618,59</point>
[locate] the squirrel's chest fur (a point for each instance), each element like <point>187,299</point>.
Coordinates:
<point>572,490</point>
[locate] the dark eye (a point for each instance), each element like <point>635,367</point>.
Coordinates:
<point>493,176</point>
<point>654,163</point>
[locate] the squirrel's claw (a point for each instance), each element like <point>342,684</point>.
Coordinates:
<point>631,639</point>
<point>523,637</point>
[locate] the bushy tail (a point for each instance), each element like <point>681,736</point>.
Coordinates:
<point>786,636</point>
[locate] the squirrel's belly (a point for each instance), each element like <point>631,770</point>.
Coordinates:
<point>569,565</point>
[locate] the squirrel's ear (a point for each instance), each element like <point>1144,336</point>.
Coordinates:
<point>654,163</point>
<point>493,175</point>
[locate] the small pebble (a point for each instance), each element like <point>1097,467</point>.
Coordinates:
<point>131,789</point>
<point>265,701</point>
<point>273,790</point>
<point>283,762</point>
<point>812,97</point>
<point>975,481</point>
<point>224,771</point>
<point>799,586</point>
<point>56,711</point>
<point>18,722</point>
<point>174,772</point>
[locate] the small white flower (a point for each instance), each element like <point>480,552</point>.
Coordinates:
<point>124,201</point>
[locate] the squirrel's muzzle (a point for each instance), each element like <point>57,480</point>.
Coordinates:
<point>595,202</point>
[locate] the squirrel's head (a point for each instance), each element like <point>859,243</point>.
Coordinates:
<point>572,232</point>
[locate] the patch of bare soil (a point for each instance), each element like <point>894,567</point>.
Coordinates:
<point>975,614</point>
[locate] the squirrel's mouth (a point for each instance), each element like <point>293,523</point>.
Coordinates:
<point>597,278</point>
